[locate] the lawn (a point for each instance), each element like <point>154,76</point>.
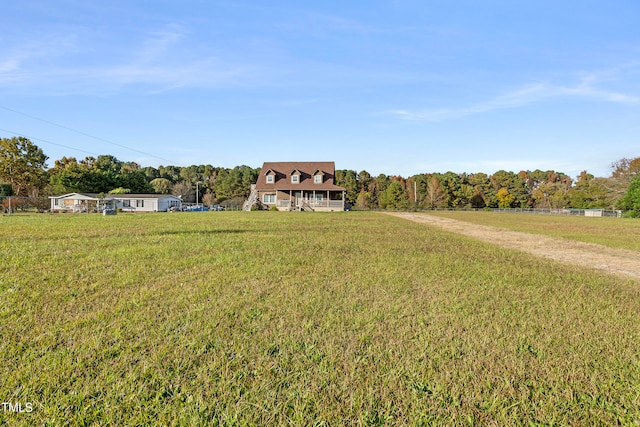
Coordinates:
<point>613,232</point>
<point>273,318</point>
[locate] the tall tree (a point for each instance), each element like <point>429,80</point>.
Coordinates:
<point>464,196</point>
<point>365,199</point>
<point>631,200</point>
<point>505,199</point>
<point>348,179</point>
<point>172,173</point>
<point>377,187</point>
<point>623,172</point>
<point>587,192</point>
<point>515,186</point>
<point>151,173</point>
<point>185,191</point>
<point>626,169</point>
<point>161,185</point>
<point>68,175</point>
<point>108,163</point>
<point>234,183</point>
<point>450,183</point>
<point>135,180</point>
<point>364,181</point>
<point>209,199</point>
<point>484,192</point>
<point>436,197</point>
<point>23,165</point>
<point>394,197</point>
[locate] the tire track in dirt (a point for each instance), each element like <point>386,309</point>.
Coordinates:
<point>591,255</point>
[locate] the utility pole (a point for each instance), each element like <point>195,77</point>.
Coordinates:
<point>11,190</point>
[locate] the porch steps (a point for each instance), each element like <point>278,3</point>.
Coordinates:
<point>253,198</point>
<point>305,206</point>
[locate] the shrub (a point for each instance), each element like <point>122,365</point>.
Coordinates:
<point>631,214</point>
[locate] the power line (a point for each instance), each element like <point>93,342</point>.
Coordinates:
<point>87,135</point>
<point>48,142</point>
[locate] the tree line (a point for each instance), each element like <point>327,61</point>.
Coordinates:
<point>203,183</point>
<point>24,172</point>
<point>502,189</point>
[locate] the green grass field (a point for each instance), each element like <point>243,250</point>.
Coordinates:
<point>273,318</point>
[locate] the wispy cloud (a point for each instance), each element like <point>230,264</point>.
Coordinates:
<point>526,95</point>
<point>160,60</point>
<point>8,65</point>
<point>25,62</point>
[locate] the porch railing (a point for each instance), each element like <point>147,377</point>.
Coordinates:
<point>312,203</point>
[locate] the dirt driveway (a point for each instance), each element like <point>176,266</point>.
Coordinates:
<point>612,260</point>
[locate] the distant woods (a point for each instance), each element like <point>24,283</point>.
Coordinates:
<point>24,172</point>
<point>502,189</point>
<point>108,174</point>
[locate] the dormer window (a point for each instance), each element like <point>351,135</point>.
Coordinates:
<point>317,179</point>
<point>270,176</point>
<point>295,176</point>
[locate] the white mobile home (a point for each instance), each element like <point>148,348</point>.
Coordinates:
<point>90,202</point>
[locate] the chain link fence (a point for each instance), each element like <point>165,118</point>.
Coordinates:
<point>13,204</point>
<point>563,211</point>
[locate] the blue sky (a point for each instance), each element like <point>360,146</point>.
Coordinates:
<point>394,87</point>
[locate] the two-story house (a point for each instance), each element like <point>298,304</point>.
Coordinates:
<point>298,186</point>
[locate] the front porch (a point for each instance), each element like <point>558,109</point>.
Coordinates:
<point>322,201</point>
<point>79,203</point>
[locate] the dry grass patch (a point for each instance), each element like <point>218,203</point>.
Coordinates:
<point>614,232</point>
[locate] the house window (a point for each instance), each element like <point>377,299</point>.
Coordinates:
<point>319,197</point>
<point>317,179</point>
<point>295,179</point>
<point>269,179</point>
<point>269,198</point>
<point>139,203</point>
